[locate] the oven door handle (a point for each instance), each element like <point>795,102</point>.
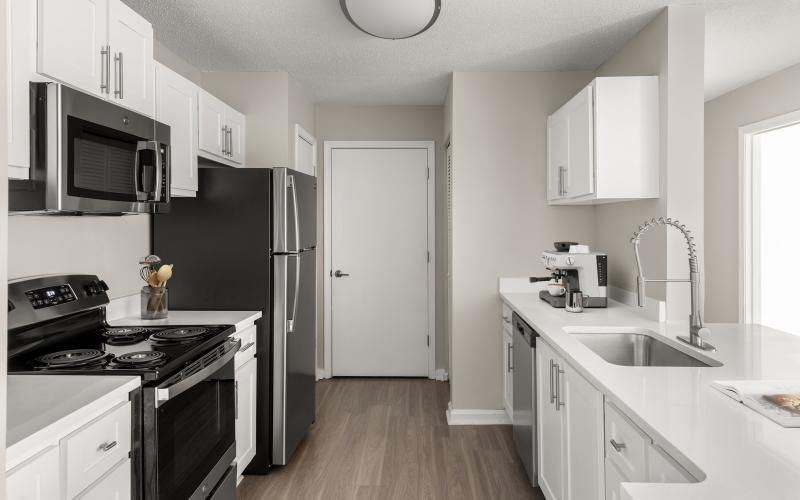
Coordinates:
<point>164,394</point>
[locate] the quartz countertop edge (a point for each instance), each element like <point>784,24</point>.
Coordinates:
<point>240,319</point>
<point>42,409</point>
<point>736,452</point>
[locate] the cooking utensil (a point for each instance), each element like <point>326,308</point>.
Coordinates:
<point>164,274</point>
<point>152,279</point>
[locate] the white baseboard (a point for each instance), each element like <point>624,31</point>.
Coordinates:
<point>321,374</point>
<point>441,375</point>
<point>476,417</point>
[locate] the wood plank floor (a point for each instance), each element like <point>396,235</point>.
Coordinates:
<point>389,439</point>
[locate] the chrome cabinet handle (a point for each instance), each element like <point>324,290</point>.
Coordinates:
<point>105,71</point>
<point>552,390</point>
<point>339,274</point>
<point>506,319</point>
<point>246,346</point>
<point>119,76</point>
<point>108,446</point>
<point>236,400</point>
<point>230,142</point>
<point>617,446</point>
<point>224,131</point>
<point>562,181</point>
<point>509,358</point>
<point>559,371</point>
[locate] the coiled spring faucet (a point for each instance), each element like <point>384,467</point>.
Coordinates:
<point>695,319</point>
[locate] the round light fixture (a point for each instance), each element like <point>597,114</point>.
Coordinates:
<point>392,19</point>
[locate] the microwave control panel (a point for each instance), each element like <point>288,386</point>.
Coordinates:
<point>50,296</point>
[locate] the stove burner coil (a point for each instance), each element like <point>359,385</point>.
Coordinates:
<point>125,335</point>
<point>180,334</point>
<point>140,358</point>
<point>73,357</point>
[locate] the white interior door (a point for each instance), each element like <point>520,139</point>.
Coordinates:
<point>379,240</point>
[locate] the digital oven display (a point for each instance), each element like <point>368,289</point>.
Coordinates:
<point>51,296</point>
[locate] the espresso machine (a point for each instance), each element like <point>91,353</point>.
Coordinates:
<point>584,272</point>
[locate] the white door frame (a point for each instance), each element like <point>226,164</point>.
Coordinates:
<point>329,146</point>
<point>749,272</point>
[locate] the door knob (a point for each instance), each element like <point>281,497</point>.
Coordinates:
<point>339,274</point>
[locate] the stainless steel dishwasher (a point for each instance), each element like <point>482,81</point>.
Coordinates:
<point>524,369</point>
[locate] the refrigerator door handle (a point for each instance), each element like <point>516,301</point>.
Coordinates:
<point>296,298</point>
<point>290,184</point>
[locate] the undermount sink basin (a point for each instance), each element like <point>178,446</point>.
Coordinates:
<point>640,348</point>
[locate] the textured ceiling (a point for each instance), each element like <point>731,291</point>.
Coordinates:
<point>748,40</point>
<point>335,62</point>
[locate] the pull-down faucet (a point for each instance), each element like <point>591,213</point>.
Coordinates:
<point>695,319</point>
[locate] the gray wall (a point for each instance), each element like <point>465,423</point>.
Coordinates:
<point>342,122</point>
<point>773,96</point>
<point>501,220</point>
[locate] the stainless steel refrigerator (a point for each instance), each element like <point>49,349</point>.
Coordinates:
<point>248,242</point>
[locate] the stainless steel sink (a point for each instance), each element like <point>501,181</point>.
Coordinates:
<point>639,348</point>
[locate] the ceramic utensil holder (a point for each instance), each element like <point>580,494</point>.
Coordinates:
<point>155,302</point>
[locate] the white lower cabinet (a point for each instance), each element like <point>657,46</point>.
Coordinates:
<point>245,415</point>
<point>116,485</point>
<point>246,364</point>
<point>631,456</point>
<point>570,430</point>
<point>36,479</point>
<point>89,463</point>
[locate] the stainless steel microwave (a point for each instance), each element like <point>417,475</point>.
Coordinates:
<point>89,155</point>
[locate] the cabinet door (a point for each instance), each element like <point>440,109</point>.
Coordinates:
<point>246,415</point>
<point>71,36</point>
<point>580,143</point>
<point>557,154</point>
<point>583,436</point>
<point>176,105</point>
<point>131,40</point>
<point>211,116</point>
<point>235,122</point>
<point>36,479</point>
<point>116,485</point>
<point>549,429</point>
<point>614,479</point>
<point>508,375</point>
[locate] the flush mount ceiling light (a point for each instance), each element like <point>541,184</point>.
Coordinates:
<point>392,19</point>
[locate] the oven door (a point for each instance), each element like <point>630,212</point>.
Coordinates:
<point>109,159</point>
<point>189,428</point>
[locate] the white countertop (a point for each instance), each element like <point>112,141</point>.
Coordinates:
<point>241,319</point>
<point>42,408</point>
<point>742,454</point>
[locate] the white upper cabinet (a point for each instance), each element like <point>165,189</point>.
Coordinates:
<point>131,39</point>
<point>221,131</point>
<point>73,37</point>
<point>603,144</point>
<point>101,47</point>
<point>176,106</point>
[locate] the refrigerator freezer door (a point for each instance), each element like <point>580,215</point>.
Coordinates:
<point>294,212</point>
<point>294,352</point>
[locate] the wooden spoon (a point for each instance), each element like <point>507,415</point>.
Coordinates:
<point>164,274</point>
<point>152,280</point>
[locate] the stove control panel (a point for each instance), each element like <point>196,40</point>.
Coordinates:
<point>50,296</point>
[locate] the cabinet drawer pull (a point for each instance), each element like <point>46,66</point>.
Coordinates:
<point>506,319</point>
<point>552,391</point>
<point>509,359</point>
<point>247,346</point>
<point>108,446</point>
<point>617,446</point>
<point>559,372</point>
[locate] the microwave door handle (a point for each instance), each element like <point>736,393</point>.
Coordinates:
<point>137,172</point>
<point>290,184</point>
<point>159,172</point>
<point>164,394</point>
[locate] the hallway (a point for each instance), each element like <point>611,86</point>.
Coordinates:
<point>389,439</point>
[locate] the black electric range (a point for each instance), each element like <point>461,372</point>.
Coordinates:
<point>185,412</point>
